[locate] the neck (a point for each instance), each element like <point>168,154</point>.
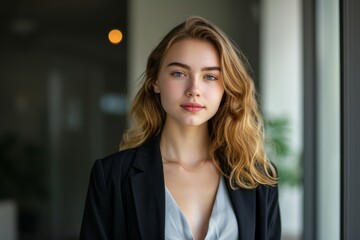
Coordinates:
<point>187,145</point>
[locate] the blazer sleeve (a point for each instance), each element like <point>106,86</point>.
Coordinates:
<point>96,222</point>
<point>274,220</point>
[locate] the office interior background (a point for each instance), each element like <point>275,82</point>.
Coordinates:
<point>65,91</point>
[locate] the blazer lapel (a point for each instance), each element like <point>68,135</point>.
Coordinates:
<point>149,191</point>
<point>244,204</point>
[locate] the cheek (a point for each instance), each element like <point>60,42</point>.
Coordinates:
<point>169,90</point>
<point>216,94</point>
<point>168,95</point>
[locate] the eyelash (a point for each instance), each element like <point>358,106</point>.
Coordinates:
<point>177,74</point>
<point>213,78</point>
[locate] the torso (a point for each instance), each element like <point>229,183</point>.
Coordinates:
<point>194,192</point>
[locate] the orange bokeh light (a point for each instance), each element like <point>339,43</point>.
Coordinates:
<point>115,36</point>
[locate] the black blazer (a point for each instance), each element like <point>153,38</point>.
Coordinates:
<point>126,200</point>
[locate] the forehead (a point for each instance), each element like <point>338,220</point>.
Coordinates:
<point>193,52</point>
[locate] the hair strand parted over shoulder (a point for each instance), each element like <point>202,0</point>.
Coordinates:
<point>236,130</point>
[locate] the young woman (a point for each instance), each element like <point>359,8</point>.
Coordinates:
<point>193,165</point>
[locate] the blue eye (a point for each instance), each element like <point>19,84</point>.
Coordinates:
<point>178,74</point>
<point>210,78</point>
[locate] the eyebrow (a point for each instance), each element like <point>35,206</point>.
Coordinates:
<point>189,68</point>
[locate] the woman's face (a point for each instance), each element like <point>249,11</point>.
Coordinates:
<point>190,82</point>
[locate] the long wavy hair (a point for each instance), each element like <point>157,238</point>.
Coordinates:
<point>236,130</point>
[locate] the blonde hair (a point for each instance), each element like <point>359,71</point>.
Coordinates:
<point>236,130</point>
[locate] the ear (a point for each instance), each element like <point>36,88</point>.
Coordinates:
<point>156,86</point>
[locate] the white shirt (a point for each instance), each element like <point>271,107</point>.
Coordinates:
<point>222,223</point>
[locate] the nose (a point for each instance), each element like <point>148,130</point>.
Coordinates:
<point>193,89</point>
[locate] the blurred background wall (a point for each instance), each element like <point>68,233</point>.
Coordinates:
<point>62,91</point>
<point>65,90</point>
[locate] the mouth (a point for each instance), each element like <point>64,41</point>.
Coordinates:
<point>192,107</point>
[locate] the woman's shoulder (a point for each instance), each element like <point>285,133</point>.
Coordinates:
<point>118,160</point>
<point>113,170</point>
<point>267,194</point>
<point>123,160</point>
<point>265,188</point>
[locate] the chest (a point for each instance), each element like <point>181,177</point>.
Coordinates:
<point>194,193</point>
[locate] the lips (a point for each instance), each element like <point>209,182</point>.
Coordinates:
<point>192,107</point>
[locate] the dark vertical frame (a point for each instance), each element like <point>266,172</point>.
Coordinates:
<point>350,118</point>
<point>310,120</point>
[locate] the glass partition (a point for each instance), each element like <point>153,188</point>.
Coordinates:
<point>281,91</point>
<point>328,102</point>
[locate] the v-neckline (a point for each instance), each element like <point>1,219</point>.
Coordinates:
<point>183,215</point>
